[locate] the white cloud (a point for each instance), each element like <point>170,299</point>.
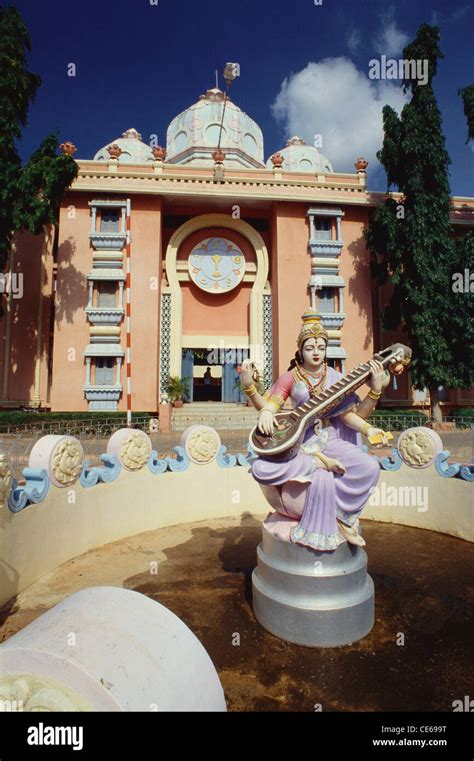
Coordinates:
<point>333,98</point>
<point>353,41</point>
<point>390,40</point>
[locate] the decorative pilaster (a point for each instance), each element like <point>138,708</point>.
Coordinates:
<point>325,255</point>
<point>267,340</point>
<point>165,342</point>
<point>105,320</point>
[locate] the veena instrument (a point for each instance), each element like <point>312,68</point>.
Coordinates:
<point>291,425</point>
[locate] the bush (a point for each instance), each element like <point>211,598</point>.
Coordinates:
<point>463,417</point>
<point>32,419</point>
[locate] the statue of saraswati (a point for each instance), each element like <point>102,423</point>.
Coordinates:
<point>310,463</point>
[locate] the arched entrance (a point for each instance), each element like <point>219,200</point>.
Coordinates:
<point>176,348</point>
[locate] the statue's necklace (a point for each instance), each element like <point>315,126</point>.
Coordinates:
<point>306,377</point>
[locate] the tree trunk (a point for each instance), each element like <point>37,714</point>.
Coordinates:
<point>436,412</point>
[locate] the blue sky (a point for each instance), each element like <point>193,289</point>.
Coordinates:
<point>304,70</point>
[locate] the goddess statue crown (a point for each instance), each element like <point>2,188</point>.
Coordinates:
<point>311,327</point>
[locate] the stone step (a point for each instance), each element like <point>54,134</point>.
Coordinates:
<point>215,415</point>
<point>224,416</point>
<point>245,428</point>
<point>214,411</point>
<point>213,407</point>
<point>221,417</point>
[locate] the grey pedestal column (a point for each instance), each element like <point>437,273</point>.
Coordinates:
<point>312,598</point>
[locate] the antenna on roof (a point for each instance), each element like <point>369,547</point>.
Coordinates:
<point>217,80</point>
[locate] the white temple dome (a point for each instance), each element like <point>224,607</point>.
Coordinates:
<point>134,150</point>
<point>300,157</point>
<point>193,135</point>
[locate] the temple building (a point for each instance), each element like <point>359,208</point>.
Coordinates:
<point>182,260</point>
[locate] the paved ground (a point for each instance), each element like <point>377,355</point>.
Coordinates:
<point>424,586</point>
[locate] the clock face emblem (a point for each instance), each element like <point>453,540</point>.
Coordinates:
<point>216,265</point>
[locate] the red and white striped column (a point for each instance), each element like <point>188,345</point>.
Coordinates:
<point>128,355</point>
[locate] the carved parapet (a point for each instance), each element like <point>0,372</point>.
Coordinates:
<point>201,443</point>
<point>34,490</point>
<point>105,473</point>
<point>131,447</point>
<point>419,447</point>
<point>61,456</point>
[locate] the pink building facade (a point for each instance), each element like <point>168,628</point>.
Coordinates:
<point>166,264</point>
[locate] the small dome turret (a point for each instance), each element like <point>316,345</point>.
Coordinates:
<point>300,157</point>
<point>132,149</point>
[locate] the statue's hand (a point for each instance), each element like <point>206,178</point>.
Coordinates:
<point>266,422</point>
<point>372,431</point>
<point>334,466</point>
<point>248,372</point>
<point>378,379</point>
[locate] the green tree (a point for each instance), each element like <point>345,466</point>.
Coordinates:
<point>30,195</point>
<point>411,240</point>
<point>467,95</point>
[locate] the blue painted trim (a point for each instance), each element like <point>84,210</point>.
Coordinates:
<point>247,459</point>
<point>392,462</point>
<point>157,464</point>
<point>181,462</point>
<point>33,491</point>
<point>111,468</point>
<point>443,468</point>
<point>225,460</point>
<point>89,476</point>
<point>467,472</point>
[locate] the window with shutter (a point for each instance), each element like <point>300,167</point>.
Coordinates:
<point>107,291</point>
<point>104,371</point>
<point>109,221</point>
<point>323,229</point>
<point>326,300</point>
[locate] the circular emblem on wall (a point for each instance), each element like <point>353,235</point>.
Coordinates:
<point>216,265</point>
<point>418,447</point>
<point>201,442</point>
<point>131,447</point>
